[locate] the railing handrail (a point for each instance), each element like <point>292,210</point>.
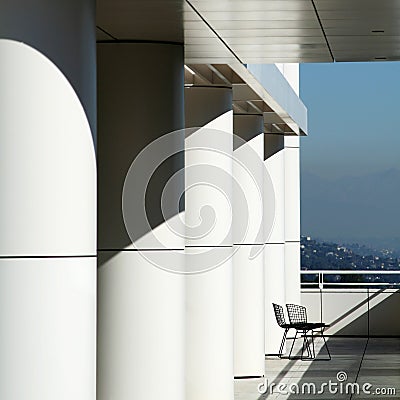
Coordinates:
<point>320,273</point>
<point>348,272</point>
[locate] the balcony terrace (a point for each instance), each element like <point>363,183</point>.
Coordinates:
<point>363,338</point>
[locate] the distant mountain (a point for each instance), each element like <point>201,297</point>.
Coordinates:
<point>363,209</point>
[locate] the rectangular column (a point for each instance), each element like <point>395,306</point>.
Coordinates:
<point>292,219</point>
<point>275,286</point>
<point>248,250</point>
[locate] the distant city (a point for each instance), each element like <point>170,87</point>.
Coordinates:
<point>349,223</point>
<point>323,255</point>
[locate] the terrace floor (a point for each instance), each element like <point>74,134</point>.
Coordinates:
<point>375,361</point>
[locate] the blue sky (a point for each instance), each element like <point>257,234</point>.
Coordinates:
<point>353,116</point>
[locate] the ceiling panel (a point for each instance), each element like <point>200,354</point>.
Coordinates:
<point>255,24</point>
<point>365,40</point>
<point>323,5</point>
<point>271,48</point>
<point>266,32</point>
<point>260,31</point>
<point>372,24</point>
<point>213,50</point>
<point>250,16</point>
<point>355,15</point>
<point>286,60</point>
<point>361,30</point>
<point>364,58</point>
<point>261,40</point>
<point>257,5</point>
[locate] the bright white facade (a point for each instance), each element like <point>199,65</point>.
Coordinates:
<point>195,235</point>
<point>180,283</point>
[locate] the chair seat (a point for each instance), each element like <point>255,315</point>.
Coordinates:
<point>313,325</point>
<point>297,326</point>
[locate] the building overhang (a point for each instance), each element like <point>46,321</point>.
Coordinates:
<point>283,111</point>
<point>222,37</point>
<point>256,31</point>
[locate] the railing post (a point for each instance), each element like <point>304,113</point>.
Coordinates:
<point>320,280</point>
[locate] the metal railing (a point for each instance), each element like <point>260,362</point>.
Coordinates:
<point>322,283</point>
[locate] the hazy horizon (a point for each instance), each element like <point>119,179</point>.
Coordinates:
<point>361,209</point>
<point>350,163</point>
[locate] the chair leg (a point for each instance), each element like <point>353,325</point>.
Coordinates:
<point>283,343</point>
<point>326,345</point>
<point>307,345</point>
<point>291,349</point>
<point>309,351</point>
<point>321,332</point>
<point>312,342</point>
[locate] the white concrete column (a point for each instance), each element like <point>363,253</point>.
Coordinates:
<point>248,239</point>
<point>292,199</point>
<point>140,298</point>
<point>275,246</point>
<point>292,219</point>
<point>47,202</point>
<point>209,299</point>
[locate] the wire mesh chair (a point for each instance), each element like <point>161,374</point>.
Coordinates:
<point>280,319</point>
<point>298,316</point>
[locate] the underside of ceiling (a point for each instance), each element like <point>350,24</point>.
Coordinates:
<point>259,31</point>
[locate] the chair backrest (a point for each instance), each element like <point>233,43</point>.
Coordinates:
<point>297,314</point>
<point>279,314</point>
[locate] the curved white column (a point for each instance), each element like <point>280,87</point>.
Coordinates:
<point>140,302</point>
<point>248,257</point>
<point>292,219</point>
<point>208,197</point>
<point>47,205</point>
<point>65,33</point>
<point>275,246</point>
